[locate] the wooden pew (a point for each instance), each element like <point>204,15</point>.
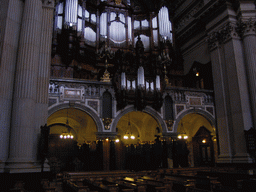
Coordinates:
<point>149,183</point>
<point>97,185</point>
<point>48,186</point>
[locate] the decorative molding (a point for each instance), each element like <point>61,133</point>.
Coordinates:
<point>202,16</point>
<point>210,109</point>
<point>188,17</point>
<point>179,109</point>
<point>72,94</point>
<point>94,104</point>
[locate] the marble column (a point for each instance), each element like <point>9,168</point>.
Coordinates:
<point>10,19</point>
<point>231,93</point>
<point>25,86</point>
<point>248,29</point>
<point>43,77</point>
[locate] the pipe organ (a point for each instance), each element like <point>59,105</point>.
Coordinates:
<point>118,25</point>
<point>85,27</point>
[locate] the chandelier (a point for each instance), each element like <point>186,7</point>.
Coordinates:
<point>68,134</point>
<point>182,134</point>
<point>128,134</point>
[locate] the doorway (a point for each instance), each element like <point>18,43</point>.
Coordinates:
<point>203,148</point>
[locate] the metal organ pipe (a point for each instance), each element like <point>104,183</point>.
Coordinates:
<point>103,24</point>
<point>141,80</point>
<point>158,82</point>
<point>71,12</point>
<point>165,25</point>
<point>123,80</point>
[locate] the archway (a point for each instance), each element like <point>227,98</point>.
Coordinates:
<point>190,124</point>
<point>145,150</point>
<point>87,110</point>
<point>148,110</point>
<point>141,125</point>
<point>64,154</point>
<point>81,124</point>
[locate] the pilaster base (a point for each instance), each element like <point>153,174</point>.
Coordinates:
<point>225,158</point>
<point>242,158</point>
<point>23,167</point>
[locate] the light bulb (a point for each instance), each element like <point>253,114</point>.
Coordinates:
<point>132,137</point>
<point>185,137</point>
<point>125,137</point>
<point>180,137</point>
<point>61,136</point>
<point>117,140</point>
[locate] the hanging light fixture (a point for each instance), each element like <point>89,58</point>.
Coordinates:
<point>182,134</point>
<point>68,134</point>
<point>128,134</point>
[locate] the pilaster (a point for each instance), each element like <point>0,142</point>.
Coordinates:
<point>247,29</point>
<point>43,77</point>
<point>25,86</point>
<point>219,77</point>
<point>10,19</point>
<point>231,92</point>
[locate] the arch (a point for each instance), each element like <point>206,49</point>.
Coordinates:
<point>197,111</point>
<point>90,112</point>
<point>147,110</point>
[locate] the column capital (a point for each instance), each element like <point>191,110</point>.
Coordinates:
<point>246,27</point>
<point>222,34</point>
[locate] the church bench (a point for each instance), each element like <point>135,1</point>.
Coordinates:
<point>99,186</point>
<point>47,186</point>
<point>71,186</point>
<point>135,184</point>
<point>230,181</point>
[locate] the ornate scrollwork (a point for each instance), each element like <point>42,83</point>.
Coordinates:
<point>221,35</point>
<point>169,124</point>
<point>107,122</point>
<point>246,27</point>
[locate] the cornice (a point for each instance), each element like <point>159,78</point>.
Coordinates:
<point>199,16</point>
<point>189,17</point>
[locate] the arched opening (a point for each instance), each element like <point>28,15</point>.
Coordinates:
<point>200,143</point>
<point>65,154</point>
<point>139,124</point>
<point>145,150</point>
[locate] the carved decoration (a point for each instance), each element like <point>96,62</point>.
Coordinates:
<point>169,124</point>
<point>221,35</point>
<point>246,27</point>
<point>107,122</point>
